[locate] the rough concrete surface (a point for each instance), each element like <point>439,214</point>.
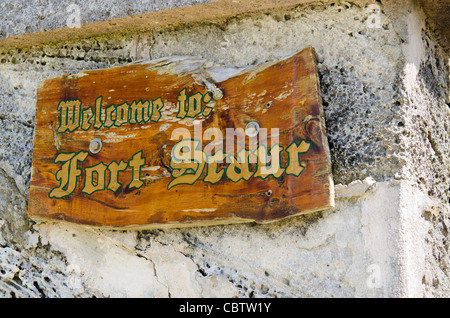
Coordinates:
<point>43,15</point>
<point>386,99</point>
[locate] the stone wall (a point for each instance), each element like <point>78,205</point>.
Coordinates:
<point>385,90</point>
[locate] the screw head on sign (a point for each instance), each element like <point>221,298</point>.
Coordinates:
<point>252,129</point>
<point>95,146</point>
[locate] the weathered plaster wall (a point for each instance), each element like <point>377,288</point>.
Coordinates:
<point>37,15</point>
<point>385,95</point>
<point>426,193</point>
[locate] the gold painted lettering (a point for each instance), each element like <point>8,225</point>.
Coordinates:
<point>97,183</point>
<point>88,115</point>
<point>136,162</point>
<point>114,169</point>
<point>157,105</point>
<point>69,118</point>
<point>110,110</point>
<point>181,103</point>
<point>239,167</point>
<point>98,123</point>
<point>187,162</point>
<point>139,112</point>
<point>194,105</point>
<point>212,175</point>
<point>294,166</point>
<point>68,173</point>
<point>121,114</point>
<point>274,169</point>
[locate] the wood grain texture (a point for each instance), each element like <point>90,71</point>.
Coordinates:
<point>282,95</point>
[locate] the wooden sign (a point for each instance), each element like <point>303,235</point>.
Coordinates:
<point>178,142</point>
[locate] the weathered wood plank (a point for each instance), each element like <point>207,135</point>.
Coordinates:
<point>135,180</point>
